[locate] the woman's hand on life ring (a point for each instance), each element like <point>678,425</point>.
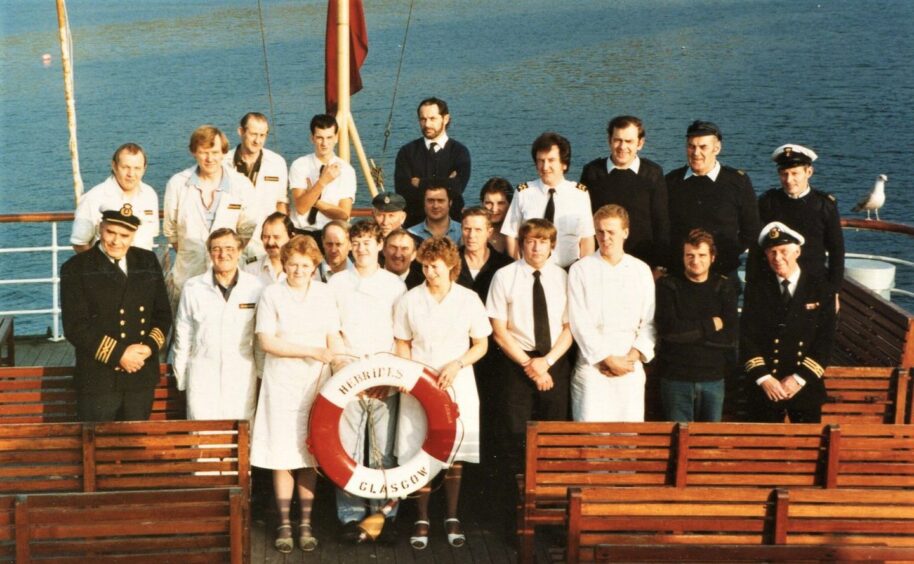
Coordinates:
<point>378,392</point>
<point>447,374</point>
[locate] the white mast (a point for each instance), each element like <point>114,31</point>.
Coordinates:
<point>65,49</point>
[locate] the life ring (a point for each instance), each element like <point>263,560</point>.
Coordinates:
<point>383,369</point>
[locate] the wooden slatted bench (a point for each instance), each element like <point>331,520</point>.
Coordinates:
<point>196,526</point>
<point>720,455</point>
<point>44,394</point>
<point>7,341</point>
<point>872,331</point>
<point>735,524</point>
<point>866,394</point>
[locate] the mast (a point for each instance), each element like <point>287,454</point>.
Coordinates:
<point>66,47</point>
<point>344,118</point>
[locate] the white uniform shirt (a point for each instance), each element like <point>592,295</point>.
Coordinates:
<point>366,306</point>
<point>511,300</point>
<point>185,222</point>
<point>573,216</point>
<point>271,186</point>
<point>308,168</point>
<point>611,308</point>
<point>214,350</point>
<point>109,195</point>
<point>262,268</point>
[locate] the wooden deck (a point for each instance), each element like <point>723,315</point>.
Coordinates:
<point>486,542</point>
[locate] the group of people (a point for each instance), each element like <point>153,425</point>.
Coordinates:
<point>546,302</point>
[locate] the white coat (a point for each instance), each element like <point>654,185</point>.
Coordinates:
<point>186,225</point>
<point>215,355</point>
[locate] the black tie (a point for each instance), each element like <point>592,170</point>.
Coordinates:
<point>312,215</point>
<point>541,331</point>
<point>785,292</point>
<point>433,147</point>
<point>549,215</point>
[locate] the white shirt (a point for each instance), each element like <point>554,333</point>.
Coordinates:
<point>510,300</point>
<point>441,140</point>
<point>712,175</point>
<point>634,167</point>
<point>270,187</point>
<point>366,306</point>
<point>793,279</point>
<point>611,308</point>
<point>573,217</point>
<point>186,224</point>
<point>214,350</point>
<point>308,168</point>
<point>262,268</point>
<point>110,195</point>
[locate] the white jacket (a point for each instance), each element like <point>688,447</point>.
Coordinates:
<point>215,355</point>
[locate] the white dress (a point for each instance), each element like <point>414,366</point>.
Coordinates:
<point>440,333</point>
<point>290,385</point>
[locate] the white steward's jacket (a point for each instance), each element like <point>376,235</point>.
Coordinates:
<point>215,354</point>
<point>186,224</point>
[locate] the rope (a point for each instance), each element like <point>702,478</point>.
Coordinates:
<point>393,100</point>
<point>266,68</point>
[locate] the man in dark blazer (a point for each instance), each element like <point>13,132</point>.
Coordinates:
<point>116,314</point>
<point>431,160</point>
<point>787,331</point>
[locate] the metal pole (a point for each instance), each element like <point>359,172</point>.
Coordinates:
<point>55,286</point>
<point>65,49</point>
<point>342,76</point>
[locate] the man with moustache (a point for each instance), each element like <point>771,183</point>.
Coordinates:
<point>786,333</point>
<point>265,169</point>
<point>635,183</point>
<point>562,202</point>
<point>200,200</point>
<point>215,359</point>
<point>433,159</point>
<point>400,257</point>
<point>275,232</point>
<point>495,196</point>
<point>116,315</point>
<point>713,197</point>
<point>437,221</point>
<point>124,186</point>
<point>336,245</point>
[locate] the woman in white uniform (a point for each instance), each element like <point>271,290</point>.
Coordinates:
<point>611,309</point>
<point>445,326</point>
<point>298,328</point>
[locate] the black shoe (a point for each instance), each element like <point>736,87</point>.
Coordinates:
<point>388,534</point>
<point>350,533</point>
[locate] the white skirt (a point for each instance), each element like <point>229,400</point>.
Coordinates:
<point>595,397</point>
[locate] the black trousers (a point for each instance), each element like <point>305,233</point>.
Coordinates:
<point>130,405</point>
<point>800,408</point>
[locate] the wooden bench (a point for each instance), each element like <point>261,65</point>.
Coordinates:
<point>563,455</point>
<point>202,525</point>
<point>735,524</point>
<point>40,394</point>
<point>872,331</point>
<point>7,341</point>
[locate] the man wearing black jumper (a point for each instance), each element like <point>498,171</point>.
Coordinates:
<point>433,159</point>
<point>636,184</point>
<point>716,198</point>
<point>696,324</point>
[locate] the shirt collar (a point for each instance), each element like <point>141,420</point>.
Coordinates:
<point>242,167</point>
<point>802,194</point>
<point>792,279</point>
<point>226,290</point>
<point>712,175</point>
<point>441,140</point>
<point>634,167</point>
<point>195,181</point>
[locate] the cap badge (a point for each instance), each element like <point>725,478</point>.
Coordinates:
<point>126,210</point>
<point>788,151</point>
<point>774,233</point>
<point>386,199</point>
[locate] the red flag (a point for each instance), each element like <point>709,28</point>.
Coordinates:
<point>358,50</point>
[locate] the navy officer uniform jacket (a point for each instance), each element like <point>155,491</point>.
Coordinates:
<point>105,311</point>
<point>780,341</point>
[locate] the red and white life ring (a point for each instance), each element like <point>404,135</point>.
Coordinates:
<point>383,369</point>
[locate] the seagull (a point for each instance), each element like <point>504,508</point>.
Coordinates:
<point>875,199</point>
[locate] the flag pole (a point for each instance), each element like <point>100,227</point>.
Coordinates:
<point>65,47</point>
<point>342,76</point>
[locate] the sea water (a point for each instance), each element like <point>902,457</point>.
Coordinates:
<point>836,76</point>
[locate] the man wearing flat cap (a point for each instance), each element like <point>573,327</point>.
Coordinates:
<point>787,331</point>
<point>713,197</point>
<point>116,314</point>
<point>807,211</point>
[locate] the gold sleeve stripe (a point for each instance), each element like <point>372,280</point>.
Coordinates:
<point>157,336</point>
<point>754,362</point>
<point>813,366</point>
<point>105,348</point>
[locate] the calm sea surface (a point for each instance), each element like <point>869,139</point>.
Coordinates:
<point>834,75</point>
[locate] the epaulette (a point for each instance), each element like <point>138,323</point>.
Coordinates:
<point>831,197</point>
<point>581,187</point>
<point>740,172</point>
<point>521,187</point>
<point>250,260</point>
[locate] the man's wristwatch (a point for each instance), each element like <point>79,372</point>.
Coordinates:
<point>549,361</point>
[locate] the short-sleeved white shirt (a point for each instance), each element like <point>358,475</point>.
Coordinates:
<point>262,268</point>
<point>573,216</point>
<point>308,168</point>
<point>109,195</point>
<point>511,300</point>
<point>366,306</point>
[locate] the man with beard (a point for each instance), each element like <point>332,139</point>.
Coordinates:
<point>275,232</point>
